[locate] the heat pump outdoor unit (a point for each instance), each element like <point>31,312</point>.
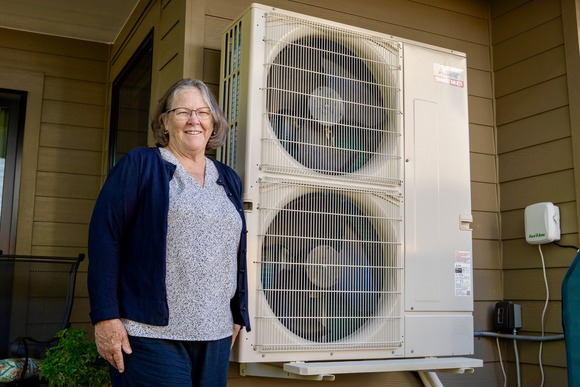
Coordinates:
<point>353,149</point>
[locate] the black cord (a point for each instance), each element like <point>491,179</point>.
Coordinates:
<point>566,246</point>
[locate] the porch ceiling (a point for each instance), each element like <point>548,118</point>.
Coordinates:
<point>93,20</point>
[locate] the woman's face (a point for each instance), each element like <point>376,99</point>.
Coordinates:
<point>188,134</point>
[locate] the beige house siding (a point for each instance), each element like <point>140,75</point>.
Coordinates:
<point>522,57</point>
<point>61,173</point>
<point>536,163</point>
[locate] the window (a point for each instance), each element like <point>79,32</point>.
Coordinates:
<point>130,103</point>
<point>12,107</point>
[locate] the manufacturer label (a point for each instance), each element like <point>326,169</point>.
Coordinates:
<point>449,75</point>
<point>463,273</point>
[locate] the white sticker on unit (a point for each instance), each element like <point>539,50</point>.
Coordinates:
<point>463,273</point>
<point>449,75</point>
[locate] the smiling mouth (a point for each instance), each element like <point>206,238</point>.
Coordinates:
<point>193,132</point>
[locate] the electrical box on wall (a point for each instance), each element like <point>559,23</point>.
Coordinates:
<point>507,316</point>
<point>542,223</point>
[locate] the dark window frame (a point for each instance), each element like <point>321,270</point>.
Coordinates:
<point>15,100</point>
<point>144,49</point>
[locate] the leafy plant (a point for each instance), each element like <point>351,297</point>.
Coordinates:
<point>74,361</point>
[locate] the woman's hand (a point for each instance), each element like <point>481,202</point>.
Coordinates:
<point>112,340</point>
<point>235,332</point>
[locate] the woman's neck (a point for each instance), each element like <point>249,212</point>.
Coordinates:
<point>194,164</point>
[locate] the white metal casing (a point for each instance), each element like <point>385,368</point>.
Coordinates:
<point>438,260</point>
<point>421,198</point>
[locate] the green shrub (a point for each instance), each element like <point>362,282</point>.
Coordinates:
<point>74,361</point>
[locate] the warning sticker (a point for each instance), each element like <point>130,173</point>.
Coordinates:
<point>449,75</point>
<point>462,273</point>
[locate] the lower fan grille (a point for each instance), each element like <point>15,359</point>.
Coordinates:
<point>329,269</point>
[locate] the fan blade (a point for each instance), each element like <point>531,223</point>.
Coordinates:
<point>349,77</point>
<point>356,294</point>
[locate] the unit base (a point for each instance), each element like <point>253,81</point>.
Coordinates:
<point>327,370</point>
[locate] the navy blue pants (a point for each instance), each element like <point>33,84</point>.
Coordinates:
<point>157,362</point>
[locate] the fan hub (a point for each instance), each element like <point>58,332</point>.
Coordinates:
<point>323,266</point>
<point>326,106</point>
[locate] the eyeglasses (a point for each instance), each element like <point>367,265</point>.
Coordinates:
<point>183,113</point>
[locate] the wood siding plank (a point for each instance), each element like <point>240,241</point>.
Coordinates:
<point>477,9</point>
<point>71,137</point>
<point>483,168</point>
<point>63,210</point>
<point>56,65</point>
<point>479,83</point>
<point>529,15</point>
<point>531,71</point>
<point>485,225</point>
<point>81,290</point>
<point>487,285</point>
<point>553,376</point>
<point>512,225</point>
<point>482,139</point>
<point>484,197</point>
<point>486,254</point>
<point>488,376</point>
<point>214,28</point>
<point>526,45</point>
<point>481,111</point>
<point>72,90</point>
<point>70,113</point>
<point>553,354</point>
<point>169,51</point>
<point>66,185</point>
<point>518,254</point>
<point>172,14</point>
<point>80,311</point>
<point>518,194</point>
<point>532,316</point>
<point>61,251</point>
<point>69,161</point>
<point>51,45</point>
<point>211,66</point>
<point>60,234</point>
<point>545,158</point>
<point>534,100</point>
<point>482,320</point>
<point>500,7</point>
<point>528,284</point>
<point>533,130</point>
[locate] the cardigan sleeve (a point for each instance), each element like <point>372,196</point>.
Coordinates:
<point>113,211</point>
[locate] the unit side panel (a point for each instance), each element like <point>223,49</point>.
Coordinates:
<point>438,260</point>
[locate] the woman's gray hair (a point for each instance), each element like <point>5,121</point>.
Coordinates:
<point>220,124</point>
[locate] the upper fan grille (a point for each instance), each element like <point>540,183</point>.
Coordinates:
<point>332,102</point>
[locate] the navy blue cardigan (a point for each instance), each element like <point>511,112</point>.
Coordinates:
<point>127,241</point>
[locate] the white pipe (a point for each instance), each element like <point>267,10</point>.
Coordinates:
<point>517,354</point>
<point>430,379</point>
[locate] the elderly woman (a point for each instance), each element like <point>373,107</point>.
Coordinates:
<point>167,252</point>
